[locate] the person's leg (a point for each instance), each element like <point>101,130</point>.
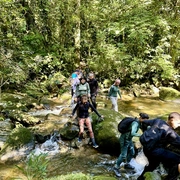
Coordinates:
<point>91,134</point>
<point>130,155</point>
<point>124,144</point>
<point>81,128</point>
<point>170,160</point>
<point>93,100</point>
<point>131,151</point>
<point>89,126</point>
<point>114,103</point>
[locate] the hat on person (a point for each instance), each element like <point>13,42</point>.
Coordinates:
<point>144,115</point>
<point>74,75</point>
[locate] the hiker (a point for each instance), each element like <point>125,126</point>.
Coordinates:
<point>82,89</point>
<point>93,84</point>
<point>74,82</point>
<point>155,141</point>
<point>83,118</point>
<point>128,128</point>
<point>113,92</point>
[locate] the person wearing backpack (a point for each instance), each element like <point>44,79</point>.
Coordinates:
<point>83,118</point>
<point>155,141</point>
<point>128,128</point>
<point>82,89</point>
<point>113,94</point>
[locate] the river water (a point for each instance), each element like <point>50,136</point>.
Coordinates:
<point>64,160</point>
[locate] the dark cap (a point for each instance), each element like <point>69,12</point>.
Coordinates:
<point>144,115</point>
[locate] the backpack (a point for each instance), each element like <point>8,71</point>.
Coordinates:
<point>151,138</point>
<point>124,124</point>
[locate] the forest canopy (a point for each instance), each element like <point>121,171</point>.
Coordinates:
<point>137,41</point>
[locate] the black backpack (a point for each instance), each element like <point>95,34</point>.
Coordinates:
<point>124,124</point>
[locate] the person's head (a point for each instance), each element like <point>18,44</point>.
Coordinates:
<point>84,98</point>
<point>174,120</point>
<point>143,116</point>
<point>82,80</point>
<point>91,76</point>
<point>77,71</point>
<point>117,82</point>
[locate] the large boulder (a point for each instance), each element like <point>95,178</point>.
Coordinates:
<point>168,93</point>
<point>106,132</point>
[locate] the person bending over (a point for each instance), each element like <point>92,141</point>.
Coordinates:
<point>155,141</point>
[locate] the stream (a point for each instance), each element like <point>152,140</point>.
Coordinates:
<point>64,160</point>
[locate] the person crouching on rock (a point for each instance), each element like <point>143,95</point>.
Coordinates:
<point>83,118</point>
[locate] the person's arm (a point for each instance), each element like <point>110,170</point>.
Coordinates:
<point>77,91</point>
<point>74,110</point>
<point>110,91</point>
<point>97,86</point>
<point>119,92</point>
<point>134,129</point>
<point>88,90</point>
<point>173,138</point>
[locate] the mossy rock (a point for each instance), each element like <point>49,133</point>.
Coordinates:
<point>168,93</point>
<point>69,131</point>
<point>106,131</point>
<point>152,175</point>
<point>19,137</point>
<point>81,176</point>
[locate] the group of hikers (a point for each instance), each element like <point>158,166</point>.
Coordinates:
<point>155,138</point>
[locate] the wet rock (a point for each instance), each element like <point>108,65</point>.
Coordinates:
<point>168,93</point>
<point>106,131</point>
<point>69,131</point>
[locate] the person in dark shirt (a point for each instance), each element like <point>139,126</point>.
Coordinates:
<point>83,117</point>
<point>93,84</point>
<point>155,141</point>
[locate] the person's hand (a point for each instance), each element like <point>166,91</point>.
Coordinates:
<point>89,95</point>
<point>75,99</point>
<point>72,117</point>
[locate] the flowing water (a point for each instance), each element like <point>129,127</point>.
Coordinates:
<point>64,160</point>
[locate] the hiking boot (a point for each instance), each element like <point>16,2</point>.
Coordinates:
<point>79,140</point>
<point>117,172</point>
<point>94,143</point>
<point>128,166</point>
<point>95,146</point>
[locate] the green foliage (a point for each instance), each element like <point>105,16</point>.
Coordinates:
<point>76,176</point>
<point>19,137</point>
<point>136,41</point>
<point>36,167</point>
<point>167,93</point>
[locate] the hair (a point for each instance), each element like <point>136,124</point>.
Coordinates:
<point>144,115</point>
<point>82,78</point>
<point>84,97</point>
<point>91,74</point>
<point>117,81</point>
<point>174,116</point>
